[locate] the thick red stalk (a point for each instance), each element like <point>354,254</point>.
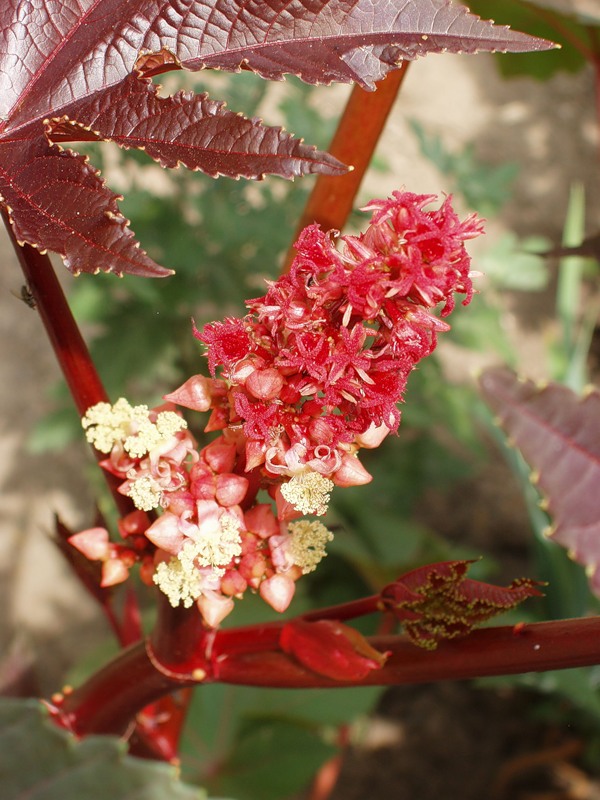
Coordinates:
<point>110,699</point>
<point>180,638</point>
<point>65,337</point>
<point>505,650</point>
<point>354,142</point>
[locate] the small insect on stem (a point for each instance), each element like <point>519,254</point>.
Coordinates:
<point>26,295</point>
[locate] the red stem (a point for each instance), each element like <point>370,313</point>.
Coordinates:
<point>111,698</point>
<point>354,142</point>
<point>180,639</point>
<point>109,701</point>
<point>538,647</point>
<point>65,337</point>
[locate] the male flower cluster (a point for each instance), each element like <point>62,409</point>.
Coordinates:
<point>310,375</point>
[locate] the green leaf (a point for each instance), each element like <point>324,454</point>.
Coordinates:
<point>265,744</point>
<point>515,264</point>
<point>533,20</point>
<point>273,759</point>
<point>39,761</point>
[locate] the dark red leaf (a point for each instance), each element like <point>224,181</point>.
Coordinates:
<point>190,130</point>
<point>438,601</point>
<point>57,201</point>
<point>558,434</point>
<point>79,70</point>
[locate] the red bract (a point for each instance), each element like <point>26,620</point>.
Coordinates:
<point>330,648</point>
<point>438,602</point>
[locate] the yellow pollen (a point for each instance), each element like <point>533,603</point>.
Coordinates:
<point>105,425</point>
<point>180,578</point>
<point>308,492</point>
<point>145,493</point>
<point>179,581</point>
<point>217,547</point>
<point>308,541</point>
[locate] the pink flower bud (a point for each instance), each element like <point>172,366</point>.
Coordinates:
<point>165,533</point>
<point>351,473</point>
<point>202,482</point>
<point>214,607</point>
<point>93,543</point>
<point>217,420</point>
<point>231,489</point>
<point>264,384</point>
<point>219,456</point>
<point>181,503</point>
<point>373,436</point>
<point>330,648</point>
<point>321,431</point>
<point>134,523</point>
<point>260,520</point>
<point>244,368</point>
<point>233,584</point>
<point>278,591</point>
<point>255,454</point>
<point>195,393</point>
<point>113,572</point>
<point>253,567</point>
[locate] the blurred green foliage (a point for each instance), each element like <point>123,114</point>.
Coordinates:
<point>576,36</point>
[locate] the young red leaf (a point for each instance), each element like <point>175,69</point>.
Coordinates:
<point>558,434</point>
<point>438,601</point>
<point>79,72</point>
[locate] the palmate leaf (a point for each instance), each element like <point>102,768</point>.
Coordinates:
<point>38,760</point>
<point>558,434</point>
<point>79,70</point>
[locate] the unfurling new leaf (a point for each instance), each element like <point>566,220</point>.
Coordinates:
<point>438,601</point>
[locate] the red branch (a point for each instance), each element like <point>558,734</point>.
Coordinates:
<point>356,137</point>
<point>108,702</point>
<point>65,337</point>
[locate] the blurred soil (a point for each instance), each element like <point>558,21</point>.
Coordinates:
<point>450,741</point>
<point>455,742</point>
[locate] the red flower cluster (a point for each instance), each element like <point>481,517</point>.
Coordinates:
<point>313,373</point>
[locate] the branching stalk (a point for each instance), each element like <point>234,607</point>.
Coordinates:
<point>108,702</point>
<point>65,337</point>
